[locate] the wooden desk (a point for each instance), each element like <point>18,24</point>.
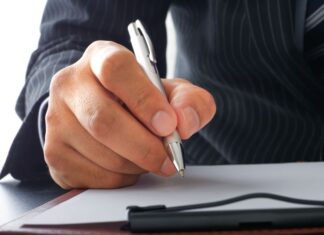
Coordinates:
<point>20,201</point>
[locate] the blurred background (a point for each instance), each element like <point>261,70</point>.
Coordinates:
<point>19,26</point>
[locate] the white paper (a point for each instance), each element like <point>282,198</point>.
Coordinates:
<point>200,184</point>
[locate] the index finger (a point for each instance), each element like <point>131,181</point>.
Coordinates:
<point>118,71</point>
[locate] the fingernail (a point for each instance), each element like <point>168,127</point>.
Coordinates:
<point>168,168</point>
<point>192,121</point>
<point>163,123</point>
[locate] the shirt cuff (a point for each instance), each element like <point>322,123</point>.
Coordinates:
<point>41,121</point>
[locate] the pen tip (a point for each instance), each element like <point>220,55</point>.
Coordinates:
<point>181,173</point>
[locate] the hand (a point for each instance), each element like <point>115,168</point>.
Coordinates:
<point>105,120</point>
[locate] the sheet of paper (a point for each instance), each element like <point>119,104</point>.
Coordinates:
<point>200,184</point>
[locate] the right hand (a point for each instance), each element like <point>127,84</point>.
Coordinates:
<point>105,120</point>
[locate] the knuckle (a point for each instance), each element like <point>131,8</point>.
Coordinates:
<point>180,81</point>
<point>210,102</point>
<point>115,62</point>
<point>51,157</point>
<point>95,44</point>
<point>60,79</point>
<point>99,44</point>
<point>100,123</point>
<point>72,180</point>
<point>62,185</point>
<point>207,103</point>
<point>51,118</point>
<point>58,180</point>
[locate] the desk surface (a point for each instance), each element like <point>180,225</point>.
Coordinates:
<point>17,198</point>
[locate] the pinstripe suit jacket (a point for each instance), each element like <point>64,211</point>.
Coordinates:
<point>247,53</point>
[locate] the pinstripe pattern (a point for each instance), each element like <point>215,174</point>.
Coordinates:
<point>315,18</point>
<point>314,37</point>
<point>270,106</point>
<point>269,97</point>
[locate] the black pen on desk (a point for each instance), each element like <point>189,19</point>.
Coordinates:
<point>145,55</point>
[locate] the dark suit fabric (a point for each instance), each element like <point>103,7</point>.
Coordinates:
<point>269,95</point>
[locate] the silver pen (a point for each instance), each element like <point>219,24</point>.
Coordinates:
<point>145,55</point>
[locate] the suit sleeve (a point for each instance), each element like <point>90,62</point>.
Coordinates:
<point>314,38</point>
<point>67,28</point>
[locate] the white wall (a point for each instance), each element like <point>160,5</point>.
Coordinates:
<point>19,32</point>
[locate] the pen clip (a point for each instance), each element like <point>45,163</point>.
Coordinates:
<point>141,30</point>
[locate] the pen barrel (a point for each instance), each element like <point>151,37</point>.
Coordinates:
<point>152,73</point>
<point>142,54</point>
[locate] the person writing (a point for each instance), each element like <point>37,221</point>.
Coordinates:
<point>105,120</point>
